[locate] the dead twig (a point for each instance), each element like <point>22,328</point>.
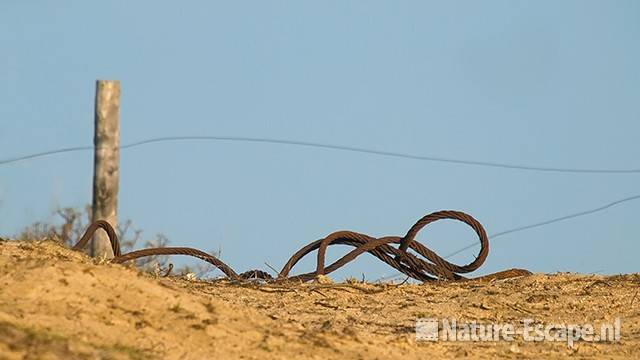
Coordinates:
<point>598,282</point>
<point>271,267</point>
<point>319,292</point>
<point>168,271</point>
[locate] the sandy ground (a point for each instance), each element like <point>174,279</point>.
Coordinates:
<point>58,304</point>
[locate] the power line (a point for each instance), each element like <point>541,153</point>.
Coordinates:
<point>330,147</point>
<point>547,222</point>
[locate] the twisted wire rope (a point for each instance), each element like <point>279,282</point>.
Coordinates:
<point>420,263</point>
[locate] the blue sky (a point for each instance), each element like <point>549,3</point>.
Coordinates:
<point>542,83</point>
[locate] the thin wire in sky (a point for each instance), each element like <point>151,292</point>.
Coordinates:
<point>547,222</point>
<point>330,147</point>
<point>45,153</point>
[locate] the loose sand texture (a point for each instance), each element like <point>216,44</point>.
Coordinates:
<point>60,304</point>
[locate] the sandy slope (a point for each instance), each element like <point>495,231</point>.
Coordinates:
<point>55,303</point>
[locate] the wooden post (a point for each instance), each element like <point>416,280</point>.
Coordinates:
<point>106,162</point>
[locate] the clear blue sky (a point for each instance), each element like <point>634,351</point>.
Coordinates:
<point>547,83</point>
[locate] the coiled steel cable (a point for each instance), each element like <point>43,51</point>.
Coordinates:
<point>434,268</point>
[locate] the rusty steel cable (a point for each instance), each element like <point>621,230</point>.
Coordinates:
<point>427,266</point>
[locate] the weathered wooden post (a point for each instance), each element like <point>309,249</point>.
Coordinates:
<point>106,171</point>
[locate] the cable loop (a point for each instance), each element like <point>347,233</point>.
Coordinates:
<point>425,267</point>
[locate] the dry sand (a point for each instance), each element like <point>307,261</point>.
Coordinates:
<point>59,304</point>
